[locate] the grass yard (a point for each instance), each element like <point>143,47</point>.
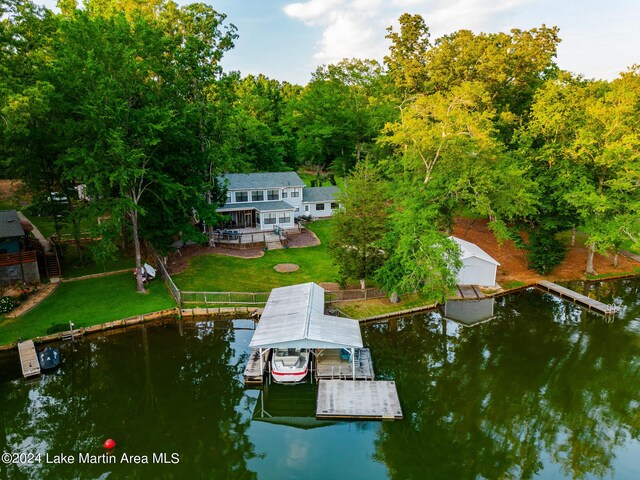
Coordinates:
<point>379,306</point>
<point>86,303</point>
<point>71,267</point>
<point>218,273</point>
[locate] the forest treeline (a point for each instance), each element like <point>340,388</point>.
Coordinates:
<point>129,98</point>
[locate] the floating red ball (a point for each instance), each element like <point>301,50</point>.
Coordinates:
<point>109,443</point>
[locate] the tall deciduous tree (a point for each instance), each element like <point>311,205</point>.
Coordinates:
<point>586,133</point>
<point>140,119</point>
<point>360,224</point>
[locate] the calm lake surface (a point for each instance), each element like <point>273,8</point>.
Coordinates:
<point>543,390</point>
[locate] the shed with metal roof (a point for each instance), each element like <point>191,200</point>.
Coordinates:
<point>478,267</point>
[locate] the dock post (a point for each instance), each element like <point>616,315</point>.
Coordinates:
<point>353,363</point>
<point>261,368</point>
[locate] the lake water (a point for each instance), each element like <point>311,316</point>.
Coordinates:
<point>542,390</point>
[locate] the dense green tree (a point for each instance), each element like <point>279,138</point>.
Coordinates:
<point>339,114</point>
<point>359,225</point>
<point>584,138</point>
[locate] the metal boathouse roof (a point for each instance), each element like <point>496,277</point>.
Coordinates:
<point>294,318</point>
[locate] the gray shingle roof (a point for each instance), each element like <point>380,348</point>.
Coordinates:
<point>10,224</point>
<point>320,194</point>
<point>259,206</point>
<point>250,181</point>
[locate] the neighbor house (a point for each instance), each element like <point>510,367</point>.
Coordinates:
<point>478,267</point>
<point>267,200</point>
<point>18,262</point>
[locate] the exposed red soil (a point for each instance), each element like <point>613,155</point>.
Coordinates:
<point>513,264</point>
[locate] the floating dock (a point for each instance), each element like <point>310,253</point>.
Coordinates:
<point>578,298</point>
<point>342,399</point>
<point>253,375</point>
<point>331,366</point>
<point>28,359</point>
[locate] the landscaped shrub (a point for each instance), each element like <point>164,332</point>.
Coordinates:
<point>7,304</point>
<point>545,251</point>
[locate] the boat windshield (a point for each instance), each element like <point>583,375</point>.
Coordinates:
<point>289,352</point>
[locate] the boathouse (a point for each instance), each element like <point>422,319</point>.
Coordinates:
<point>478,267</point>
<point>294,318</point>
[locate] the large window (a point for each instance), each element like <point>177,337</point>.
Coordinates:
<point>269,218</point>
<point>273,194</point>
<point>258,218</point>
<point>295,192</point>
<point>285,217</point>
<point>319,206</point>
<point>242,197</point>
<point>257,196</point>
<point>228,197</point>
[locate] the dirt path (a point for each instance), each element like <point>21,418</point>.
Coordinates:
<point>513,264</point>
<point>34,300</point>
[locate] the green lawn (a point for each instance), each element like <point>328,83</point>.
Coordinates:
<point>379,306</point>
<point>86,303</point>
<point>71,267</point>
<point>218,273</point>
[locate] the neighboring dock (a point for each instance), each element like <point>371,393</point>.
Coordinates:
<point>471,292</point>
<point>28,359</point>
<point>253,374</point>
<point>578,298</point>
<point>358,400</point>
<point>331,365</point>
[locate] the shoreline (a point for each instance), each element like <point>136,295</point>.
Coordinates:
<point>252,311</point>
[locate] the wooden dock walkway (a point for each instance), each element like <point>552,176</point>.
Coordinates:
<point>472,292</point>
<point>329,365</point>
<point>578,298</point>
<point>343,399</point>
<point>28,359</point>
<point>630,255</point>
<point>252,373</point>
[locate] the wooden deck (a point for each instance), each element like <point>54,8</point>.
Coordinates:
<point>578,298</point>
<point>630,255</point>
<point>329,365</point>
<point>252,373</point>
<point>472,292</point>
<point>358,400</point>
<point>28,359</point>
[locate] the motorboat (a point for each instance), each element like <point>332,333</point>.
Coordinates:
<point>289,365</point>
<point>49,358</point>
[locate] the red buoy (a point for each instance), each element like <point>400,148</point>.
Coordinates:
<point>109,443</point>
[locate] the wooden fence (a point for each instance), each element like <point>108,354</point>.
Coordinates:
<point>212,298</point>
<point>175,291</point>
<point>252,298</point>
<point>260,298</point>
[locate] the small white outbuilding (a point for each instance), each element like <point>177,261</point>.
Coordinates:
<point>478,267</point>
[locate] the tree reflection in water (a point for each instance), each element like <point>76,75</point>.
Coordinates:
<point>160,392</point>
<point>544,383</point>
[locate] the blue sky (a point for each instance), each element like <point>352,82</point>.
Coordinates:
<point>287,40</point>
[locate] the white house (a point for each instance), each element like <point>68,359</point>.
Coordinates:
<point>478,267</point>
<point>266,200</point>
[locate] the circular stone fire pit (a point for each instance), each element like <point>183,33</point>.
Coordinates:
<point>286,267</point>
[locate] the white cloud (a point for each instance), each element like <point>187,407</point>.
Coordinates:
<point>357,28</point>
